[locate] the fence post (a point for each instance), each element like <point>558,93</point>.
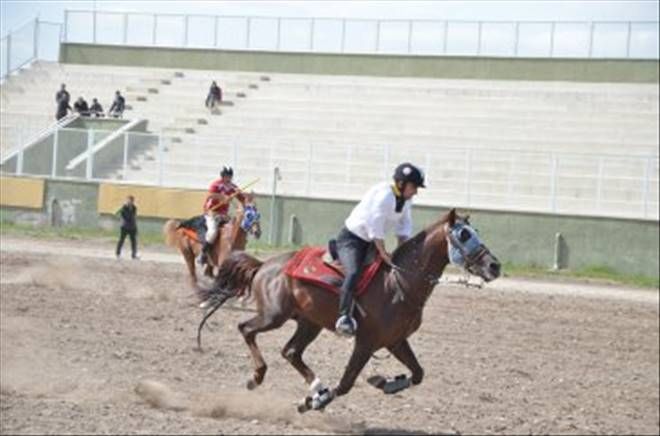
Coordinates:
<point>591,39</point>
<point>516,37</point>
<point>185,30</point>
<point>444,37</point>
<point>552,38</point>
<point>66,25</point>
<point>89,161</point>
<point>35,54</point>
<point>8,54</point>
<point>247,33</point>
<point>276,177</point>
<point>125,159</point>
<point>311,35</point>
<point>480,24</point>
<point>53,167</point>
<point>19,161</point>
<point>343,34</point>
<point>125,24</point>
<point>215,31</point>
<point>628,38</point>
<point>279,33</point>
<point>94,26</point>
<point>153,36</point>
<point>410,30</point>
<point>377,36</point>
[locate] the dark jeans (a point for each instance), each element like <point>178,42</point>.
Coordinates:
<point>352,251</point>
<point>132,234</point>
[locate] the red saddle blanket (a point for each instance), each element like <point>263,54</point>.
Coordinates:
<point>307,265</point>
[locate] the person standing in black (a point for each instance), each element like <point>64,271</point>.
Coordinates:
<point>62,99</point>
<point>214,96</point>
<point>128,226</point>
<point>118,106</point>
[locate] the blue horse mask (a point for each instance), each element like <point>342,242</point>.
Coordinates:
<point>465,247</point>
<point>250,216</point>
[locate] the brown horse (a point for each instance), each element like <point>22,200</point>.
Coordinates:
<point>232,236</point>
<point>383,321</point>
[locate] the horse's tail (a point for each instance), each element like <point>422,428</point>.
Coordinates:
<point>234,278</point>
<point>169,232</point>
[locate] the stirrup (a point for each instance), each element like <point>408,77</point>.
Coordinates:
<point>346,326</point>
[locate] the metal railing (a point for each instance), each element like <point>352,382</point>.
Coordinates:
<point>592,39</point>
<point>613,185</point>
<point>35,39</point>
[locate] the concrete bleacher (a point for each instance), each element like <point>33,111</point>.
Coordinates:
<point>333,135</point>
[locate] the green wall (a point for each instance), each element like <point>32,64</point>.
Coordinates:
<point>626,246</point>
<point>463,67</point>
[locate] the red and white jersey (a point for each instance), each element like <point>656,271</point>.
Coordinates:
<point>219,187</point>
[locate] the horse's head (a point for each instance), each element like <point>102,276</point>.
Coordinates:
<point>251,218</point>
<point>465,248</point>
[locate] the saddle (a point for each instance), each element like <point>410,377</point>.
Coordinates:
<point>194,228</point>
<point>320,266</point>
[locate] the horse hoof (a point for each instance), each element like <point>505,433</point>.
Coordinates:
<point>251,384</point>
<point>305,405</point>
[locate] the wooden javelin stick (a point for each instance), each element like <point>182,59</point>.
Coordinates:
<point>239,191</point>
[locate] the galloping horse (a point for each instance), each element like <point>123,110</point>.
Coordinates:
<point>232,236</point>
<point>383,322</point>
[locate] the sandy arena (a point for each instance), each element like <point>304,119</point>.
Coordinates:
<point>90,344</point>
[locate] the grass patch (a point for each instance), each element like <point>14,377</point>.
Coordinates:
<point>9,228</point>
<point>597,273</point>
<point>262,249</point>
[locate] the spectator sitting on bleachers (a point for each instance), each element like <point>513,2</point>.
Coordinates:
<point>96,109</point>
<point>62,99</point>
<point>118,106</point>
<point>81,107</point>
<point>214,96</point>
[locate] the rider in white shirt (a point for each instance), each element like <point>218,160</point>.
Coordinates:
<point>384,207</point>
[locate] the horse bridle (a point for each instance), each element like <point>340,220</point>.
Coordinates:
<point>470,259</point>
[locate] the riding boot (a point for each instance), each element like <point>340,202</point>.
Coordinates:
<point>346,324</point>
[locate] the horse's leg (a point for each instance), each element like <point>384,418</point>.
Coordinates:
<point>359,358</point>
<point>249,329</point>
<point>304,335</point>
<point>405,355</point>
<point>189,257</point>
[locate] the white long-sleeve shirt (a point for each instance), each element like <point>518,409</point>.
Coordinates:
<point>375,215</point>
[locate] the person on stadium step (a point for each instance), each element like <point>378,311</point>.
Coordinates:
<point>96,109</point>
<point>118,106</point>
<point>81,107</point>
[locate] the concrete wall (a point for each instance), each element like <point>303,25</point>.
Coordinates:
<point>626,246</point>
<point>463,67</point>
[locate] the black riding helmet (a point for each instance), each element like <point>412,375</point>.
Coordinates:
<point>407,172</point>
<point>227,171</point>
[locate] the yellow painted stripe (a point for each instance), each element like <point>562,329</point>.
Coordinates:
<point>152,201</point>
<point>22,192</point>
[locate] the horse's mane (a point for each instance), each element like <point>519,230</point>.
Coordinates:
<point>411,244</point>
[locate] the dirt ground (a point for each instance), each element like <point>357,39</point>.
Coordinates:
<point>90,344</point>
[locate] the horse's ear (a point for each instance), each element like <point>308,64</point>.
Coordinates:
<point>451,217</point>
